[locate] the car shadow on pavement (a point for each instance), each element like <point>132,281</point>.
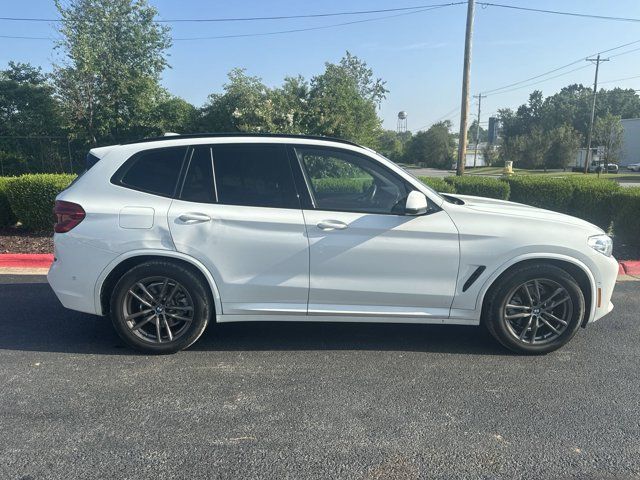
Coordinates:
<point>32,319</point>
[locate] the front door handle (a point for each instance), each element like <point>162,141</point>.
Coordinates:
<point>332,225</point>
<point>194,217</point>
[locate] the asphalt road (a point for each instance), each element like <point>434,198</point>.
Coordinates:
<point>318,401</point>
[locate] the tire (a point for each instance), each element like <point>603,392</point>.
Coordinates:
<point>531,324</point>
<point>177,305</point>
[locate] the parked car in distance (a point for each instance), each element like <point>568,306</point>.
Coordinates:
<point>171,234</point>
<point>599,167</point>
<point>634,167</point>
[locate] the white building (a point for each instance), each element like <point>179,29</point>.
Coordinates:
<point>630,141</point>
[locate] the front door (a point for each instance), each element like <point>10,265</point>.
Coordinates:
<point>238,213</point>
<point>367,258</point>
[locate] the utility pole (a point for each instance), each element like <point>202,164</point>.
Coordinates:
<point>475,153</point>
<point>597,61</point>
<point>464,107</point>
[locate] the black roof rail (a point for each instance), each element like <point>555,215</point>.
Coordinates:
<point>238,134</point>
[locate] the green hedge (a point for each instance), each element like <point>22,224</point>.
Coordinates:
<point>588,198</point>
<point>543,192</point>
<point>341,185</point>
<point>591,200</point>
<point>7,217</point>
<point>32,198</point>
<point>480,186</point>
<point>626,218</point>
<point>438,184</point>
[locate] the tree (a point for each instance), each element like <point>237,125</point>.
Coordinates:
<point>114,53</point>
<point>473,128</point>
<point>564,142</point>
<point>432,148</point>
<point>245,105</point>
<point>343,101</point>
<point>28,112</point>
<point>607,132</point>
<point>391,144</point>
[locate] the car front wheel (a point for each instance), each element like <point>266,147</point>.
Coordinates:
<point>534,310</point>
<point>160,307</point>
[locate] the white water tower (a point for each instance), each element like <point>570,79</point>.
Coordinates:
<point>402,121</point>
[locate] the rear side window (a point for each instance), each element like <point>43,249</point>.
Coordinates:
<point>153,171</point>
<point>257,175</point>
<point>198,182</point>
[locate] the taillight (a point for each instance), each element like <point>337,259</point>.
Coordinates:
<point>68,215</point>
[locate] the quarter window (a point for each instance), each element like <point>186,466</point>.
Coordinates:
<point>154,171</point>
<point>257,175</point>
<point>343,181</point>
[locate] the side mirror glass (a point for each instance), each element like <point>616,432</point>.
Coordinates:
<point>416,203</point>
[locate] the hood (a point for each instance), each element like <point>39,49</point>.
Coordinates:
<point>520,210</point>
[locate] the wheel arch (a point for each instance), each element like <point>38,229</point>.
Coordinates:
<point>572,266</point>
<point>110,275</point>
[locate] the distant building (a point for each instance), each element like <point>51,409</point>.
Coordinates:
<point>630,141</point>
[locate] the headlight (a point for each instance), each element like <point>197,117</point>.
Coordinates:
<point>601,243</point>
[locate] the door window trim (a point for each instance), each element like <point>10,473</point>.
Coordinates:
<point>307,180</point>
<point>185,172</point>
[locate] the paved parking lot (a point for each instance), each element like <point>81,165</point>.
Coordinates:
<point>300,401</point>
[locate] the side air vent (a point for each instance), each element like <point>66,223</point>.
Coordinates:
<point>473,277</point>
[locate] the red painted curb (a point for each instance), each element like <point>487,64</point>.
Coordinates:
<point>44,260</point>
<point>26,260</point>
<point>631,267</point>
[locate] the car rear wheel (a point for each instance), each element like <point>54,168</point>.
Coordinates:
<point>160,307</point>
<point>535,310</point>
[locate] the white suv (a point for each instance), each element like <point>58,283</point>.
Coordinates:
<point>167,235</point>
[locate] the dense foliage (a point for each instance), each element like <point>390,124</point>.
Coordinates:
<point>547,132</point>
<point>32,198</point>
<point>7,217</point>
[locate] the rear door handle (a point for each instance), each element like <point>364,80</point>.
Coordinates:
<point>332,225</point>
<point>194,217</point>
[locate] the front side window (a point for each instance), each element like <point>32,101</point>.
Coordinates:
<point>153,171</point>
<point>257,175</point>
<point>345,181</point>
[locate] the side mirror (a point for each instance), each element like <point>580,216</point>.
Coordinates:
<point>416,203</point>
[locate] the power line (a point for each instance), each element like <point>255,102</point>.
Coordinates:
<point>541,81</point>
<point>558,12</point>
<point>307,29</point>
<point>620,79</point>
<point>251,19</point>
<point>280,32</point>
<point>580,60</point>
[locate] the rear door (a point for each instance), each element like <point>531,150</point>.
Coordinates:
<point>238,213</point>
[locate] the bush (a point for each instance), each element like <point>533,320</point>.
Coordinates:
<point>592,200</point>
<point>438,184</point>
<point>32,197</point>
<point>7,217</point>
<point>341,185</point>
<point>626,221</point>
<point>480,186</point>
<point>543,192</point>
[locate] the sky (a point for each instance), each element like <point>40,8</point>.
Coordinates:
<point>419,55</point>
